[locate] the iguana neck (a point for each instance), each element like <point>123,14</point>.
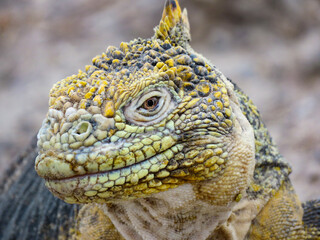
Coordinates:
<point>176,213</point>
<point>270,168</point>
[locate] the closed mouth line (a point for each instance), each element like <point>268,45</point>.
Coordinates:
<point>103,172</point>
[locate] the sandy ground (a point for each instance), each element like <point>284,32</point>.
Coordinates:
<point>269,48</point>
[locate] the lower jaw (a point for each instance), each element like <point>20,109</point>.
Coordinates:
<point>85,189</point>
<point>99,188</point>
<point>124,183</point>
<point>96,188</point>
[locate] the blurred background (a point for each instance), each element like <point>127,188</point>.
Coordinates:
<point>271,49</point>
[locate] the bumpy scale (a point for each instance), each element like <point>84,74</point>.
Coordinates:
<point>159,144</point>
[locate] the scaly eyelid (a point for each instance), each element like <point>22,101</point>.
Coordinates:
<point>136,114</point>
<point>144,97</point>
<point>153,93</point>
<point>157,105</point>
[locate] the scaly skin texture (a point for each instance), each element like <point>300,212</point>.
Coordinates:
<point>158,144</point>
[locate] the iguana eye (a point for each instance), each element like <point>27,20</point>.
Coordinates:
<point>151,104</point>
<point>150,107</point>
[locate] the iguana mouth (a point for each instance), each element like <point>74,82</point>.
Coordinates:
<point>105,184</point>
<point>107,158</point>
<point>156,162</point>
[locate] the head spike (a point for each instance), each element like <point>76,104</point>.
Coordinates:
<point>174,24</point>
<point>172,11</point>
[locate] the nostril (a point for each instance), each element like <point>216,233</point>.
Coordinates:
<point>82,131</point>
<point>82,127</point>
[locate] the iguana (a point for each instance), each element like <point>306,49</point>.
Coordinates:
<point>155,142</point>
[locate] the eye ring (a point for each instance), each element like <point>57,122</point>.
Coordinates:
<point>150,107</point>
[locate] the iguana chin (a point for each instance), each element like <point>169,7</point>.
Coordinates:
<point>158,144</point>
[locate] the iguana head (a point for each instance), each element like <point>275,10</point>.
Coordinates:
<point>143,118</point>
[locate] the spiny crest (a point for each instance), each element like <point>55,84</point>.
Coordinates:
<point>174,25</point>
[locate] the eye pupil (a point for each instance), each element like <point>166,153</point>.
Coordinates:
<point>151,103</point>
